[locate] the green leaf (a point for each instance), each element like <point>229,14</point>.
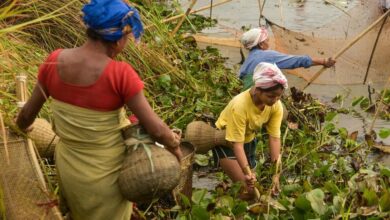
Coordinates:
<point>302,203</point>
<point>164,80</point>
<point>330,116</point>
<point>240,208</point>
<point>332,188</point>
<point>364,103</point>
<point>316,198</point>
<point>356,101</point>
<point>225,202</point>
<point>337,203</point>
<point>185,200</point>
<point>337,99</point>
<point>384,133</point>
<point>201,160</point>
<point>370,196</point>
<point>343,132</point>
<point>199,213</point>
<point>182,217</point>
<point>292,188</point>
<point>329,127</point>
<point>197,196</point>
<point>165,100</point>
<point>384,171</point>
<point>384,201</point>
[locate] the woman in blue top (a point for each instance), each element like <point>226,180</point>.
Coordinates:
<point>256,40</point>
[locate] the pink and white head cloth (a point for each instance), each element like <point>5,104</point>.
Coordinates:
<point>267,75</point>
<point>253,37</point>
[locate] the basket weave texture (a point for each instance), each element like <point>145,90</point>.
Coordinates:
<point>44,137</point>
<point>148,171</point>
<point>185,183</point>
<point>204,137</point>
<point>21,191</point>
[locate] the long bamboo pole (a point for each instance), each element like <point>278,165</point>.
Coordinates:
<point>192,12</point>
<point>184,17</point>
<point>373,49</point>
<point>346,47</point>
<point>5,141</point>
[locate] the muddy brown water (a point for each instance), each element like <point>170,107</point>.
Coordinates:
<point>303,16</point>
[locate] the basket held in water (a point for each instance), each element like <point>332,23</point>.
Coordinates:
<point>148,171</point>
<point>204,137</point>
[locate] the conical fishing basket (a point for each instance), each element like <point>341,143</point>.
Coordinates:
<point>44,137</point>
<point>148,171</point>
<point>204,137</point>
<point>185,184</point>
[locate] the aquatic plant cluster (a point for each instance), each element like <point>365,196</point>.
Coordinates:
<point>327,172</point>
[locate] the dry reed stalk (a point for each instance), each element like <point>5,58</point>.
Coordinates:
<point>278,167</point>
<point>184,17</point>
<point>5,141</point>
<point>379,106</point>
<point>192,12</point>
<point>230,42</point>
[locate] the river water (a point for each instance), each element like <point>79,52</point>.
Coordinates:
<point>299,16</point>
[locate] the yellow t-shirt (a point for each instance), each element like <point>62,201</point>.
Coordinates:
<point>242,119</point>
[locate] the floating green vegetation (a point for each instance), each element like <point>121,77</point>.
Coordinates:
<point>327,173</point>
<point>379,102</point>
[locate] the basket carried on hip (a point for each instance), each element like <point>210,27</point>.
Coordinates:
<point>148,171</point>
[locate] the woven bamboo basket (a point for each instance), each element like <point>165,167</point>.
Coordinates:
<point>148,171</point>
<point>44,137</point>
<point>185,183</point>
<point>204,137</point>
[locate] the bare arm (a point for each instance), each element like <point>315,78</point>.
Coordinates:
<point>274,147</point>
<point>239,152</point>
<point>242,160</point>
<point>151,122</point>
<point>31,109</point>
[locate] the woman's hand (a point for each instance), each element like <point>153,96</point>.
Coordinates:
<point>27,130</point>
<point>275,184</point>
<point>329,62</point>
<point>174,147</point>
<point>250,180</point>
<point>177,152</point>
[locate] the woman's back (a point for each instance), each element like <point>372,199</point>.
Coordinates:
<point>88,80</point>
<point>81,66</point>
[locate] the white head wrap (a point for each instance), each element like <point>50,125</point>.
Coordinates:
<point>267,75</point>
<point>253,37</point>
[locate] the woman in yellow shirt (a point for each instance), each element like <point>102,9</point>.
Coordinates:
<point>245,114</point>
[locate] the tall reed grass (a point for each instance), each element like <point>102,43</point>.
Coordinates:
<point>180,79</point>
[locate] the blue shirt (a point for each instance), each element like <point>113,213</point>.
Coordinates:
<point>281,60</point>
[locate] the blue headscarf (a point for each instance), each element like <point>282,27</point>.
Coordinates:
<point>109,17</point>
